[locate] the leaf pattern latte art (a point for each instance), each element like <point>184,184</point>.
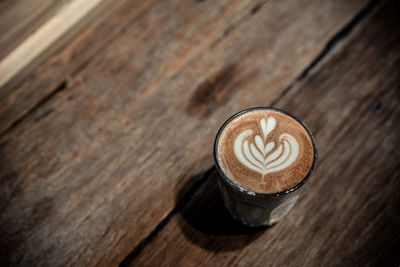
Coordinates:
<point>262,156</point>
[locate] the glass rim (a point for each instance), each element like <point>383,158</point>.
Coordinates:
<point>248,191</point>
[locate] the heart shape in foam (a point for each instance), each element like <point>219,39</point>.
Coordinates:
<point>257,155</point>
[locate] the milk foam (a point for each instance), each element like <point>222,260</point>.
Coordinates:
<point>265,150</point>
<point>263,155</point>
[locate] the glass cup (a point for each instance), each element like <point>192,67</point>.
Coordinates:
<point>254,208</point>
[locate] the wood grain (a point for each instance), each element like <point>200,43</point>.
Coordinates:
<point>349,214</point>
<point>91,172</point>
<point>19,19</point>
<point>45,38</point>
<point>214,21</point>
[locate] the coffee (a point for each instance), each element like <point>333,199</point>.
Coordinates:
<point>265,151</point>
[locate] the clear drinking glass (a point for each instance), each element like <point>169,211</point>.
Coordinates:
<point>254,208</point>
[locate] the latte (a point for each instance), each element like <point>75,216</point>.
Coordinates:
<point>265,151</point>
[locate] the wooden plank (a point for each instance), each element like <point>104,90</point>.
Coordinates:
<point>349,213</point>
<point>44,38</point>
<point>18,99</point>
<point>93,171</point>
<point>48,39</point>
<point>24,93</point>
<point>19,19</point>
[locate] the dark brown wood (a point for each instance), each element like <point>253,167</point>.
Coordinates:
<point>208,22</point>
<point>349,213</point>
<point>90,173</point>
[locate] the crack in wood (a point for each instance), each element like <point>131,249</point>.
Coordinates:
<point>331,45</point>
<point>36,107</point>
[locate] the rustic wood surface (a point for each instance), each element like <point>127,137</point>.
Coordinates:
<point>43,37</point>
<point>19,19</point>
<point>19,99</point>
<point>349,213</point>
<point>46,38</point>
<point>106,146</point>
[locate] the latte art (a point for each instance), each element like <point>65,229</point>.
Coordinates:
<point>262,155</point>
<point>264,150</point>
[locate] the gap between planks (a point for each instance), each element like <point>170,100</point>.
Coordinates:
<point>335,42</point>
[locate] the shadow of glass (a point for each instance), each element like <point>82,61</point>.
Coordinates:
<point>207,223</point>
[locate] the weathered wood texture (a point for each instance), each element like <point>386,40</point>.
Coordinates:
<point>90,173</point>
<point>46,39</point>
<point>19,19</point>
<point>349,214</point>
<point>206,23</point>
<point>18,98</point>
<point>25,92</point>
<point>45,35</point>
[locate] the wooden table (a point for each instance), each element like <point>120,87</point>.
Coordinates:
<point>108,112</point>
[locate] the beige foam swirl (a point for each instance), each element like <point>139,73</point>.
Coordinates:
<point>258,157</point>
